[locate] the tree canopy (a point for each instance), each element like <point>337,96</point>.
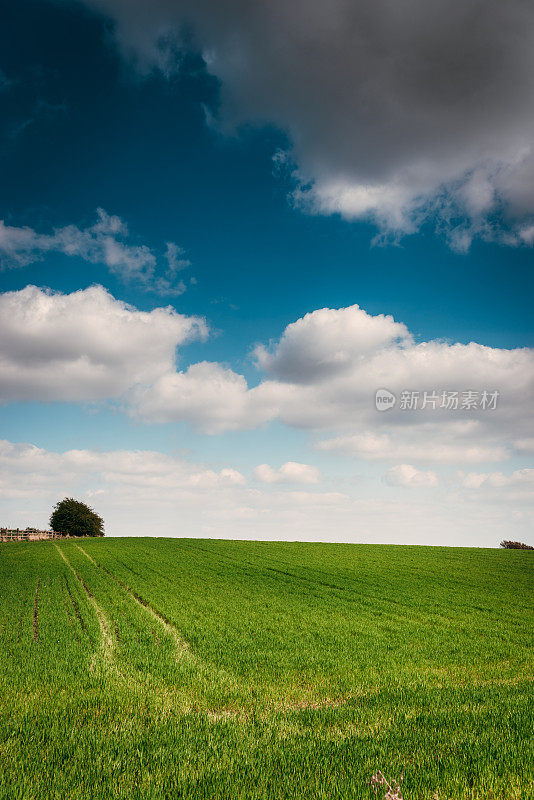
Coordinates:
<point>76,518</point>
<point>516,545</point>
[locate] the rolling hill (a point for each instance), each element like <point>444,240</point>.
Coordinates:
<point>182,668</point>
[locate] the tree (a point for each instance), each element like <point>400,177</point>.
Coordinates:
<point>516,546</point>
<point>75,518</point>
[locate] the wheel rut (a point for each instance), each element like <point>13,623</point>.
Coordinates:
<point>206,673</point>
<point>182,647</point>
<point>107,643</point>
<point>183,651</point>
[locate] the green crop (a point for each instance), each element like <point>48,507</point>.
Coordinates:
<point>181,668</point>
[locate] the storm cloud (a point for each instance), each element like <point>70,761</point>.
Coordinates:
<point>400,112</point>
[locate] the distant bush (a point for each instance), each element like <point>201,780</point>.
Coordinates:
<point>516,546</point>
<point>75,518</point>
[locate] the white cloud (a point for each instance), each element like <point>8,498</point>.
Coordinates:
<point>100,243</point>
<point>176,257</point>
<point>328,366</point>
<point>85,345</point>
<point>141,492</point>
<point>397,114</point>
<point>327,342</point>
<point>323,375</point>
<point>210,396</point>
<point>426,445</point>
<point>153,493</point>
<point>497,480</point>
<point>407,475</point>
<point>28,471</point>
<point>526,234</point>
<point>290,472</point>
<point>176,260</point>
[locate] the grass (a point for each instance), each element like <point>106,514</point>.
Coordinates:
<point>157,668</point>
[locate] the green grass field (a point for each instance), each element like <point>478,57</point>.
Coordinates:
<point>158,668</point>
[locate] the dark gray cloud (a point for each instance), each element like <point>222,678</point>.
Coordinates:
<point>397,110</point>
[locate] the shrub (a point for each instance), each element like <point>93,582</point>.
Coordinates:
<point>516,546</point>
<point>75,518</point>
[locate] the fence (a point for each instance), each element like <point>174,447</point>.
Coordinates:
<point>26,535</point>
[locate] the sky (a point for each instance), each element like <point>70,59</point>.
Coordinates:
<point>225,227</point>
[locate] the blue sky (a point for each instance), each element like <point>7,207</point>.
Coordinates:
<point>94,120</point>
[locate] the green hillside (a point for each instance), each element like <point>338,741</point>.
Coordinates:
<point>172,668</point>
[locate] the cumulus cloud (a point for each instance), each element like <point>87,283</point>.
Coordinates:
<point>30,471</point>
<point>323,373</point>
<point>327,367</point>
<point>86,345</point>
<point>408,475</point>
<point>398,114</point>
<point>132,488</point>
<point>327,342</point>
<point>100,243</point>
<point>212,397</point>
<point>497,480</point>
<point>290,472</point>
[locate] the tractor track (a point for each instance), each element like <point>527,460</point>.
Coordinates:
<point>68,608</point>
<point>107,644</point>
<point>181,645</point>
<point>206,673</point>
<point>74,605</point>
